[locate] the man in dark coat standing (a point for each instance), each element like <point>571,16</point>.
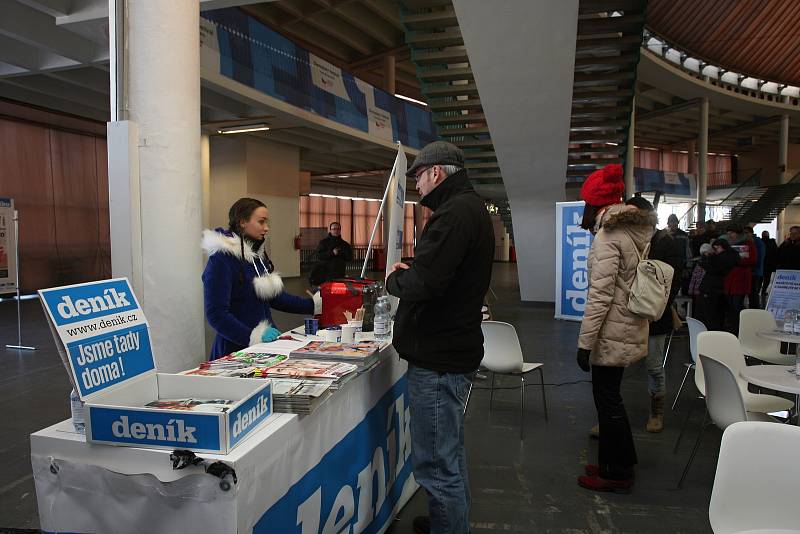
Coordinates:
<point>333,253</point>
<point>770,261</point>
<point>437,329</point>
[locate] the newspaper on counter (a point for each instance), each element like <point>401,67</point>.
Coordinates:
<point>290,395</point>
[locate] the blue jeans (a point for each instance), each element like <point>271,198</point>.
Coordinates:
<point>437,445</point>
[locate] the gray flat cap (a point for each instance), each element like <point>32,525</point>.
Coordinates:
<point>437,153</point>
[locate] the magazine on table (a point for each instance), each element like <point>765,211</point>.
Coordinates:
<point>343,351</point>
<point>192,404</point>
<point>310,369</point>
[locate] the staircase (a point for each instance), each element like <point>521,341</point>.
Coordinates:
<point>606,54</point>
<point>448,85</point>
<point>764,203</point>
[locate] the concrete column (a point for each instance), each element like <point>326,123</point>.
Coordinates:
<point>389,74</point>
<point>691,148</point>
<point>783,150</point>
<point>164,98</point>
<point>702,166</point>
<point>205,173</point>
<point>532,153</point>
<point>630,186</point>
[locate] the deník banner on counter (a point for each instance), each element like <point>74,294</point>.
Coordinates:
<point>572,261</point>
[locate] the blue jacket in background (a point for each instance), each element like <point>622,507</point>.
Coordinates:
<point>238,293</point>
<point>758,268</point>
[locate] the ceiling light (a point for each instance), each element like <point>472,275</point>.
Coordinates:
<point>244,128</point>
<point>398,95</point>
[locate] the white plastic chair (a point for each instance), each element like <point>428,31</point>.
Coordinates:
<point>724,346</point>
<point>750,323</point>
<point>724,403</point>
<point>695,327</point>
<point>756,480</point>
<point>503,355</point>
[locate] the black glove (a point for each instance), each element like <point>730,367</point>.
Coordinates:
<point>583,359</point>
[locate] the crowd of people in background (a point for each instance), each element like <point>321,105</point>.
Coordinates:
<point>732,270</point>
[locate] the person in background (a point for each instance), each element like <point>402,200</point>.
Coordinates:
<point>789,251</point>
<point>738,282</point>
<point>665,246</point>
<point>437,329</point>
<point>717,265</point>
<point>611,337</point>
<point>757,269</point>
<point>240,284</point>
<point>333,253</point>
<point>707,233</point>
<point>770,261</point>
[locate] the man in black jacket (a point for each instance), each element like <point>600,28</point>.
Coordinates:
<point>333,253</point>
<point>437,329</point>
<point>770,261</point>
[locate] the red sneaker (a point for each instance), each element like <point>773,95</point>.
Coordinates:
<point>598,483</point>
<point>592,470</point>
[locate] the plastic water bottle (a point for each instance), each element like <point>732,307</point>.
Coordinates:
<point>76,406</point>
<point>796,323</point>
<point>382,321</point>
<point>789,319</point>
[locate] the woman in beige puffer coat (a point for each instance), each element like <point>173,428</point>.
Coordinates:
<point>611,337</point>
<point>615,336</point>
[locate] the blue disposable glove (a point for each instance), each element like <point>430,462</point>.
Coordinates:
<point>270,334</point>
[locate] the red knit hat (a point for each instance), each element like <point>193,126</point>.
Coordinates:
<point>604,186</point>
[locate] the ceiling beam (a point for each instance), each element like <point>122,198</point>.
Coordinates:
<point>86,78</point>
<point>62,90</point>
<point>674,108</point>
<point>35,28</point>
<point>387,10</point>
<point>369,23</point>
<point>327,23</point>
<point>14,92</point>
<point>54,8</point>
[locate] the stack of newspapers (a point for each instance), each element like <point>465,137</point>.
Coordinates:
<point>291,395</point>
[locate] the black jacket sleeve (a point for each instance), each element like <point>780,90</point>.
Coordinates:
<point>441,249</point>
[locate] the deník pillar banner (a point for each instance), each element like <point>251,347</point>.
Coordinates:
<point>572,261</point>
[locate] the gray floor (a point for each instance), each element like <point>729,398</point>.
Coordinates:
<point>517,486</point>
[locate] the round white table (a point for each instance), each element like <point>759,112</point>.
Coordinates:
<point>775,377</point>
<point>780,335</point>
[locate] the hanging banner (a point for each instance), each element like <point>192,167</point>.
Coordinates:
<point>8,257</point>
<point>327,77</point>
<point>785,294</point>
<point>395,210</point>
<point>572,255</point>
<point>379,121</point>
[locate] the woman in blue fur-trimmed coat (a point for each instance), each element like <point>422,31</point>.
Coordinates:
<point>240,285</point>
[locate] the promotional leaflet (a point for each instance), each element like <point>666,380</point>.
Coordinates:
<point>103,335</point>
<point>785,294</point>
<point>572,261</point>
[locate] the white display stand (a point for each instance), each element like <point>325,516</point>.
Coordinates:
<point>348,463</point>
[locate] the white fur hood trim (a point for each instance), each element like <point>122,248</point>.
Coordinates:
<point>215,241</point>
<point>268,286</point>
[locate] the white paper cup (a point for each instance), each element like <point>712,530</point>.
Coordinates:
<point>330,335</point>
<point>348,333</point>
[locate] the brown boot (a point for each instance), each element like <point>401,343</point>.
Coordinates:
<point>655,423</point>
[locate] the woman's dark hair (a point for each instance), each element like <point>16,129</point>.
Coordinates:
<point>640,203</point>
<point>722,243</point>
<point>241,210</point>
<point>589,215</point>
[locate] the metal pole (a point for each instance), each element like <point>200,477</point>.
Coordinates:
<point>378,218</point>
<point>19,345</point>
